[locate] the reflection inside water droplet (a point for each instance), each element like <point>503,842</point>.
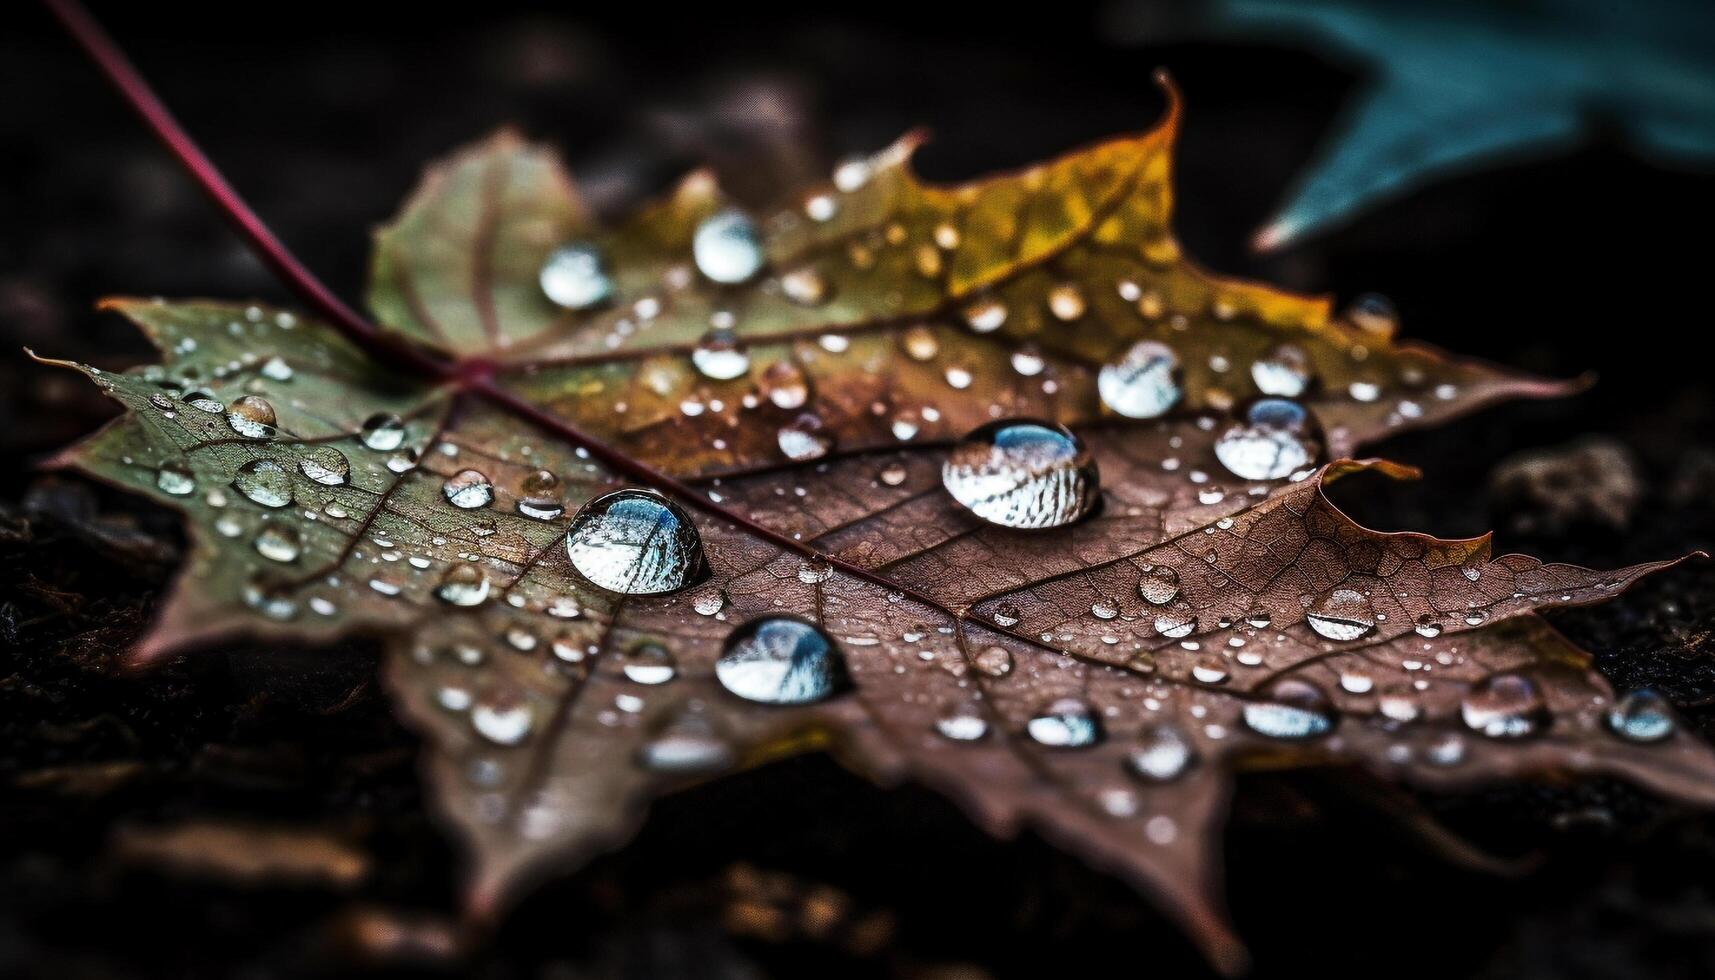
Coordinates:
<point>265,482</point>
<point>635,542</point>
<point>1505,706</point>
<point>1293,709</point>
<point>1022,474</point>
<point>1641,716</point>
<point>1144,383</point>
<point>780,661</point>
<point>726,247</point>
<point>1344,614</point>
<point>1275,440</point>
<point>1066,723</point>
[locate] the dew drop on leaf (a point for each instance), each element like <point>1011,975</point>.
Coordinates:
<point>726,247</point>
<point>780,661</point>
<point>1641,716</point>
<point>1162,754</point>
<point>1144,383</point>
<point>1505,706</point>
<point>383,432</point>
<point>1428,625</point>
<point>1158,585</point>
<point>806,286</point>
<point>719,357</point>
<point>1275,440</point>
<point>1284,372</point>
<point>962,724</point>
<point>252,417</point>
<point>575,277</point>
<point>804,439</point>
<point>468,490</point>
<point>785,385</point>
<point>1344,614</point>
<point>1291,708</point>
<point>685,747</point>
<point>648,663</point>
<point>635,542</point>
<point>176,479</point>
<point>324,465</point>
<point>995,661</point>
<point>503,717</point>
<point>464,584</point>
<point>264,482</point>
<point>1065,723</point>
<point>277,542</point>
<point>1022,474</point>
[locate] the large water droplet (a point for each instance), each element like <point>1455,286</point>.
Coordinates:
<point>325,465</point>
<point>1158,585</point>
<point>1162,754</point>
<point>635,542</point>
<point>1641,716</point>
<point>1023,474</point>
<point>1505,706</point>
<point>1344,614</point>
<point>648,663</point>
<point>383,432</point>
<point>265,482</point>
<point>1066,723</point>
<point>1284,372</point>
<point>464,584</point>
<point>252,417</point>
<point>468,490</point>
<point>780,661</point>
<point>277,542</point>
<point>726,247</point>
<point>1144,383</point>
<point>1275,440</point>
<point>719,357</point>
<point>1293,709</point>
<point>574,277</point>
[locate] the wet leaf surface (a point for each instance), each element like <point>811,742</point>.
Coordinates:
<point>982,486</point>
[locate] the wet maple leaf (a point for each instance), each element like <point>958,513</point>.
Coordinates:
<point>985,486</point>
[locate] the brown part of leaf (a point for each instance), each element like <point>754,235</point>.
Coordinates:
<point>244,854</point>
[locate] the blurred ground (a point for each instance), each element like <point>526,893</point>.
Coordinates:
<point>323,116</point>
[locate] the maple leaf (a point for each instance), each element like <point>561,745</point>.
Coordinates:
<point>1465,85</point>
<point>985,486</point>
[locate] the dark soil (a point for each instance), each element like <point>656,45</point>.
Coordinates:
<point>323,115</point>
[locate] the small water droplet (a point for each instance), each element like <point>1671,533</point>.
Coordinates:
<point>1158,585</point>
<point>1641,716</point>
<point>1104,609</point>
<point>813,571</point>
<point>252,417</point>
<point>324,465</point>
<point>804,439</point>
<point>1344,614</point>
<point>1175,624</point>
<point>962,724</point>
<point>1374,313</point>
<point>1066,723</point>
<point>1428,625</point>
<point>1276,439</point>
<point>1284,372</point>
<point>1022,474</point>
<point>1144,383</point>
<point>1066,301</point>
<point>635,542</point>
<point>726,247</point>
<point>806,286</point>
<point>276,369</point>
<point>464,584</point>
<point>503,717</point>
<point>383,432</point>
<point>995,661</point>
<point>1505,706</point>
<point>277,542</point>
<point>688,746</point>
<point>265,482</point>
<point>986,315</point>
<point>1162,754</point>
<point>1210,669</point>
<point>1006,614</point>
<point>785,385</point>
<point>575,277</point>
<point>176,479</point>
<point>780,661</point>
<point>468,490</point>
<point>719,357</point>
<point>649,663</point>
<point>1294,709</point>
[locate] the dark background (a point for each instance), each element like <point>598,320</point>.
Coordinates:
<point>323,115</point>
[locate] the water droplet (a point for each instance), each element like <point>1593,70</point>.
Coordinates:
<point>1066,723</point>
<point>265,482</point>
<point>815,570</point>
<point>325,465</point>
<point>205,402</point>
<point>276,369</point>
<point>1356,682</point>
<point>1294,709</point>
<point>649,663</point>
<point>806,286</point>
<point>1210,669</point>
<point>1162,754</point>
<point>1144,383</point>
<point>1066,301</point>
<point>468,490</point>
<point>1022,474</point>
<point>994,661</point>
<point>1641,716</point>
<point>503,718</point>
<point>688,746</point>
<point>176,479</point>
<point>277,542</point>
<point>1158,585</point>
<point>574,276</point>
<point>719,357</point>
<point>1028,361</point>
<point>1175,624</point>
<point>1428,625</point>
<point>1275,440</point>
<point>1374,313</point>
<point>986,315</point>
<point>383,432</point>
<point>780,661</point>
<point>464,584</point>
<point>1104,609</point>
<point>893,474</point>
<point>962,724</point>
<point>920,343</point>
<point>803,439</point>
<point>785,385</point>
<point>1006,614</point>
<point>635,542</point>
<point>1284,372</point>
<point>1505,706</point>
<point>1344,614</point>
<point>1364,391</point>
<point>726,247</point>
<point>252,417</point>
